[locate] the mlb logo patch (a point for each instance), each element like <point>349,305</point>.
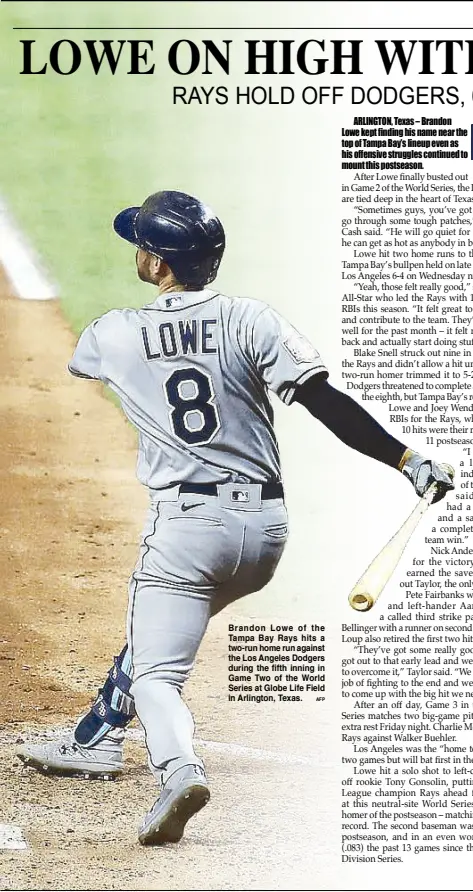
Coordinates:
<point>174,301</point>
<point>239,495</point>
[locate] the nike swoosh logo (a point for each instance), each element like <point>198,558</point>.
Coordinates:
<point>186,507</point>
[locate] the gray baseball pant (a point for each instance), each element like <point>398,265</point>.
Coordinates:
<point>198,554</point>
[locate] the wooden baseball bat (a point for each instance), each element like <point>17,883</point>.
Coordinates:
<point>369,587</point>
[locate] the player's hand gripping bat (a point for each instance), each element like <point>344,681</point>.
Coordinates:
<point>369,587</point>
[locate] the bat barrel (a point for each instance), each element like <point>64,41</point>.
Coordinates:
<point>361,601</point>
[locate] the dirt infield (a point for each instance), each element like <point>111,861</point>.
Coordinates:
<point>71,516</point>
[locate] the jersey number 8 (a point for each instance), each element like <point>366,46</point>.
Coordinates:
<point>190,396</point>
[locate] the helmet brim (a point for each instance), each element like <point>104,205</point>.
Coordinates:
<point>124,225</point>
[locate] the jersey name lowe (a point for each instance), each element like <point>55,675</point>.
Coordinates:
<point>181,338</point>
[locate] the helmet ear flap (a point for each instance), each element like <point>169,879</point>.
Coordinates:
<point>178,229</point>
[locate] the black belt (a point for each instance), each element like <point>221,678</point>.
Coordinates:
<point>268,490</point>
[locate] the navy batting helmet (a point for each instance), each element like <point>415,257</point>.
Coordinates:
<point>181,230</point>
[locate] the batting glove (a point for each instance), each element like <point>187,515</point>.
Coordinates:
<point>422,472</point>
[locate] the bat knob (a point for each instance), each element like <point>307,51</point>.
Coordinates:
<point>448,469</point>
<point>361,601</point>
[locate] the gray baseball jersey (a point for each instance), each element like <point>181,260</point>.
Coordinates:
<point>192,371</point>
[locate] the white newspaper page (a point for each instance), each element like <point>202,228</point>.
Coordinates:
<point>332,690</point>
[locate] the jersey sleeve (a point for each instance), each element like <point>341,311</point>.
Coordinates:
<point>100,346</point>
<point>284,357</point>
<point>86,360</point>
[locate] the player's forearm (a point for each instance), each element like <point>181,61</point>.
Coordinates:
<point>349,421</point>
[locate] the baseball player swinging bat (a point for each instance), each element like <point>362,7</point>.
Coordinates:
<point>369,587</point>
<point>193,371</point>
